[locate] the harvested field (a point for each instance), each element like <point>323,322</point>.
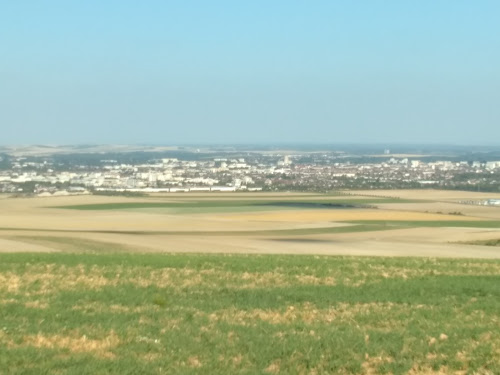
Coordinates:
<point>481,212</point>
<point>13,245</point>
<point>284,223</point>
<point>427,194</point>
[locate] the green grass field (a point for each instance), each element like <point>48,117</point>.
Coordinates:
<point>221,314</point>
<point>194,204</point>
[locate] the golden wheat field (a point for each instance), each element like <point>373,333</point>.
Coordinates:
<point>253,223</point>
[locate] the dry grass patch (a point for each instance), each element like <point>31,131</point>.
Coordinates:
<point>371,364</point>
<point>6,301</point>
<point>36,304</point>
<point>208,278</point>
<point>274,367</point>
<point>46,279</point>
<point>5,339</point>
<point>98,307</point>
<point>177,277</point>
<point>314,280</point>
<point>261,279</point>
<point>436,269</point>
<point>75,344</point>
<point>9,282</point>
<point>194,362</point>
<point>151,357</point>
<point>306,313</point>
<point>443,370</point>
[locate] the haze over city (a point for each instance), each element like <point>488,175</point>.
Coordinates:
<point>242,72</point>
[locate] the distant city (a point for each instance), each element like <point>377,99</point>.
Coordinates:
<point>120,170</point>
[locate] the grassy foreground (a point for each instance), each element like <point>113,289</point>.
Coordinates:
<point>192,314</point>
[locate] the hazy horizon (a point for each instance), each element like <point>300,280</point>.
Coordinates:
<point>285,72</point>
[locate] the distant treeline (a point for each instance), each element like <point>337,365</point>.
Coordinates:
<point>4,162</point>
<point>135,157</point>
<point>481,157</point>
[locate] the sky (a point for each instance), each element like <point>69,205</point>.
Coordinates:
<point>260,71</point>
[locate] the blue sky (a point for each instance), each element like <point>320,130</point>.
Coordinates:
<point>170,72</point>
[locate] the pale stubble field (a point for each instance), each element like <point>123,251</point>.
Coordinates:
<point>424,223</point>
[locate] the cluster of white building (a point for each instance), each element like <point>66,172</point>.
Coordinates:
<point>232,174</point>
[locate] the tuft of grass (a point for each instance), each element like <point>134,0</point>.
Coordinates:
<point>159,300</point>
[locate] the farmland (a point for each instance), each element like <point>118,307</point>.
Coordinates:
<point>367,223</point>
<point>246,283</point>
